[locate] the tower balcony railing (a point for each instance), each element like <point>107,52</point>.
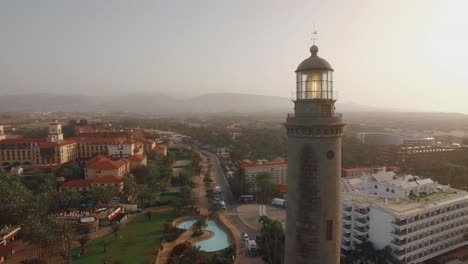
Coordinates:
<point>317,115</point>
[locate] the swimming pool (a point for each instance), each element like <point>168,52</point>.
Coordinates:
<point>219,241</point>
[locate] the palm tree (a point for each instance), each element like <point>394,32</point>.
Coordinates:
<point>214,208</point>
<point>105,244</point>
<point>148,215</point>
<point>116,230</point>
<point>191,255</point>
<point>273,236</point>
<point>84,240</point>
<point>200,225</point>
<point>265,186</point>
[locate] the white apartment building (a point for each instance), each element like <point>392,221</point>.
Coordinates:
<point>278,169</point>
<point>418,218</point>
<point>396,139</point>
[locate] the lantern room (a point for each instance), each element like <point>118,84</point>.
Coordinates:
<point>314,77</point>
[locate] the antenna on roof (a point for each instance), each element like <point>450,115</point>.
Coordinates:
<point>314,35</point>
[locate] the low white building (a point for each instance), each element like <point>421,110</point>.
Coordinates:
<point>396,139</point>
<point>418,218</point>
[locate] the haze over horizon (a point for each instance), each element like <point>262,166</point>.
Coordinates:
<point>394,54</point>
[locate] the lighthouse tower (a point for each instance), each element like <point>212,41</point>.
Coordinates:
<point>313,214</point>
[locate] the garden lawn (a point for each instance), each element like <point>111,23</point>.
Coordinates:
<point>138,242</point>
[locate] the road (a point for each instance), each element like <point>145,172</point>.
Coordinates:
<point>231,204</point>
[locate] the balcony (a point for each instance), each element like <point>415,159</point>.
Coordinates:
<point>360,230</point>
<point>361,220</point>
<point>347,228</point>
<point>359,239</point>
<point>361,212</point>
<point>397,232</point>
<point>347,213</point>
<point>399,243</point>
<point>346,245</point>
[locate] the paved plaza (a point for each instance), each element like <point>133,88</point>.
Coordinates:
<point>249,214</point>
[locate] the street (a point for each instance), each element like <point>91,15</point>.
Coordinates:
<point>231,204</point>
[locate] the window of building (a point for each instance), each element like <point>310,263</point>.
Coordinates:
<point>375,186</point>
<point>387,189</point>
<point>393,191</point>
<point>329,230</point>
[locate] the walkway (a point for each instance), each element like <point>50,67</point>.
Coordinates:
<point>164,255</point>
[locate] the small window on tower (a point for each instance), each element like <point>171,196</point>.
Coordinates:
<point>329,231</point>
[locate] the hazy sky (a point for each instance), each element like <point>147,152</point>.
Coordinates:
<point>393,53</point>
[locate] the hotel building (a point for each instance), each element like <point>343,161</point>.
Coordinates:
<point>396,139</point>
<point>417,218</point>
<point>276,168</point>
<point>51,152</point>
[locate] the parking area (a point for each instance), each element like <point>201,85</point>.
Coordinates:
<point>250,213</point>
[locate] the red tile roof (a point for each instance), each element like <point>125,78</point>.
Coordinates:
<point>76,183</point>
<point>97,158</point>
<point>100,140</point>
<point>5,250</point>
<point>136,157</point>
<point>107,179</point>
<point>107,164</point>
<point>145,141</point>
<point>251,164</point>
<point>22,140</point>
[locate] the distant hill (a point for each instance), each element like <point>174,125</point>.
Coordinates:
<point>162,103</point>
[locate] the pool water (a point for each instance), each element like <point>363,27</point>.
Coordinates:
<point>219,241</point>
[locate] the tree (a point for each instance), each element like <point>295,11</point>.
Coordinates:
<point>273,239</point>
<point>141,173</point>
<point>200,225</point>
<point>84,240</point>
<point>148,215</point>
<point>116,230</point>
<point>15,199</point>
<point>366,252</point>
<point>104,245</point>
<point>103,193</point>
<point>47,235</point>
<point>265,186</point>
<point>70,171</point>
<point>129,187</point>
<point>214,208</point>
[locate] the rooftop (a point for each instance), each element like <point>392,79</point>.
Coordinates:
<point>407,207</point>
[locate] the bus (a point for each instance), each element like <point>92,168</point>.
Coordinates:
<point>246,198</point>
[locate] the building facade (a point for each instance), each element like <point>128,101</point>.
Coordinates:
<point>51,152</point>
<point>276,168</point>
<point>313,213</point>
<point>395,139</point>
<point>417,218</point>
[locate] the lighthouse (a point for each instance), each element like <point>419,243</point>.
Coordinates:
<point>314,130</point>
